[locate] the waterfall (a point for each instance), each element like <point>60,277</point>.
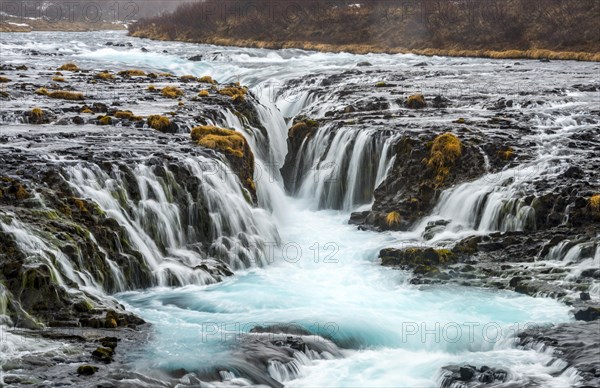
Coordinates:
<point>164,218</point>
<point>339,169</point>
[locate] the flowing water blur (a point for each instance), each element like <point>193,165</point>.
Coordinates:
<point>319,273</point>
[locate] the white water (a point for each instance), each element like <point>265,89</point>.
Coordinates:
<point>324,276</point>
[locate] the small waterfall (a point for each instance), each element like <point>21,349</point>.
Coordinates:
<point>164,217</point>
<point>495,202</point>
<point>341,170</point>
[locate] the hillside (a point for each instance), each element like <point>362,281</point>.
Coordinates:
<point>494,28</point>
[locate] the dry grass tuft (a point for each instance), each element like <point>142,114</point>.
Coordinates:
<point>132,73</point>
<point>172,92</point>
<point>4,80</point>
<point>445,150</point>
<point>416,101</point>
<point>66,95</point>
<point>393,219</point>
<point>221,139</point>
<point>594,203</point>
<point>158,122</point>
<point>58,79</point>
<point>124,114</point>
<point>104,75</point>
<point>68,67</point>
<point>207,79</point>
<point>203,93</point>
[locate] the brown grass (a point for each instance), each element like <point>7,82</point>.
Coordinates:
<point>187,78</point>
<point>172,92</point>
<point>203,93</point>
<point>124,114</point>
<point>58,79</point>
<point>68,67</point>
<point>104,75</point>
<point>132,73</point>
<point>66,95</point>
<point>221,139</point>
<point>416,101</point>
<point>207,79</point>
<point>393,219</point>
<point>105,120</point>
<point>158,122</point>
<point>594,203</point>
<point>445,150</point>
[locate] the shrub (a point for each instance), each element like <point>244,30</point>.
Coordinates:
<point>68,67</point>
<point>207,79</point>
<point>416,101</point>
<point>393,219</point>
<point>4,80</point>
<point>221,139</point>
<point>172,92</point>
<point>66,95</point>
<point>203,93</point>
<point>445,150</point>
<point>58,79</point>
<point>158,122</point>
<point>132,73</point>
<point>104,75</point>
<point>594,203</point>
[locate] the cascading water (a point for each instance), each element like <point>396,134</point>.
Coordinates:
<point>365,325</point>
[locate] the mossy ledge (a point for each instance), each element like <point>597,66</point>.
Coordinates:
<point>234,146</point>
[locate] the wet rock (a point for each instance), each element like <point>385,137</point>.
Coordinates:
<point>87,370</point>
<point>364,64</point>
<point>103,355</point>
<point>588,314</point>
<point>195,58</point>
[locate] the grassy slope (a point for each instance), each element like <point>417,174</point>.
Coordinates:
<point>565,29</point>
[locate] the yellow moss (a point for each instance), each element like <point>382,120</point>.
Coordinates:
<point>380,84</point>
<point>594,203</point>
<point>203,93</point>
<point>250,184</point>
<point>445,150</point>
<point>187,78</point>
<point>393,218</point>
<point>152,88</point>
<point>460,121</point>
<point>68,67</point>
<point>172,92</point>
<point>37,114</point>
<point>105,120</point>
<point>416,101</point>
<point>124,114</point>
<point>506,154</point>
<point>65,95</point>
<point>87,110</point>
<point>4,80</point>
<point>58,79</point>
<point>21,193</point>
<point>42,92</point>
<point>221,139</point>
<point>79,204</point>
<point>160,123</point>
<point>233,91</point>
<point>207,79</point>
<point>104,75</point>
<point>132,73</point>
<point>445,255</point>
